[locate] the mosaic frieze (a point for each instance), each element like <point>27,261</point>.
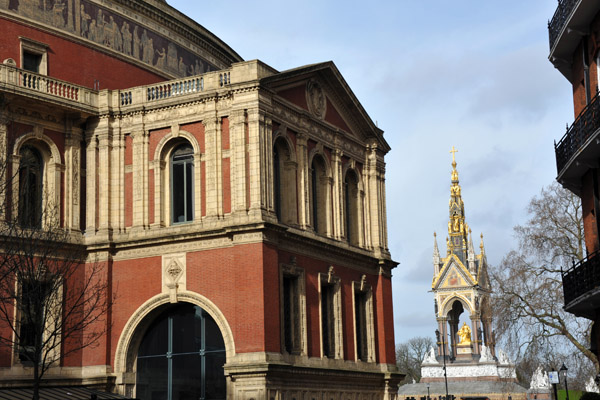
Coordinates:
<point>112,30</point>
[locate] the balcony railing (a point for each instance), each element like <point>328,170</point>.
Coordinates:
<point>561,16</point>
<point>28,82</point>
<point>582,277</point>
<point>584,126</point>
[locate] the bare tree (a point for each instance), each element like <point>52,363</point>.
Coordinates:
<point>54,301</point>
<point>410,355</point>
<point>528,303</point>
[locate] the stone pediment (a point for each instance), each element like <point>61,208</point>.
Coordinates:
<point>321,92</point>
<point>453,275</point>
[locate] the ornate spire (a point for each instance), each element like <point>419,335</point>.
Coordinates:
<point>436,255</point>
<point>457,226</point>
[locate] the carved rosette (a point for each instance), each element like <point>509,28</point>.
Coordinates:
<point>173,275</point>
<point>316,100</point>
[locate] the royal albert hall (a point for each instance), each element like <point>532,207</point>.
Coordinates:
<point>239,211</point>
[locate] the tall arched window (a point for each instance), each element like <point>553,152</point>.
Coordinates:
<point>351,207</point>
<point>318,195</point>
<point>30,187</point>
<point>181,356</point>
<point>182,184</point>
<point>284,182</point>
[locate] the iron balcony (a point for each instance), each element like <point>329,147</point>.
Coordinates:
<point>581,286</point>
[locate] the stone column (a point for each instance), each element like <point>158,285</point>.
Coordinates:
<point>104,176</point>
<point>476,324</point>
<point>140,179</point>
<point>338,203</point>
<point>211,133</point>
<point>72,176</point>
<point>303,176</point>
<point>256,156</point>
<point>239,172</point>
<point>3,169</point>
<point>91,183</point>
<point>117,181</point>
<point>443,343</point>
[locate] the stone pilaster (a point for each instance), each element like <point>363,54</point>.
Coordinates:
<point>140,178</point>
<point>3,169</point>
<point>256,169</point>
<point>213,165</point>
<point>91,183</point>
<point>104,179</point>
<point>72,201</point>
<point>303,176</point>
<point>238,161</point>
<point>338,204</point>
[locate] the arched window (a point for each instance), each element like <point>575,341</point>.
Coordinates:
<point>318,195</point>
<point>181,356</point>
<point>182,184</point>
<point>284,182</point>
<point>351,207</point>
<point>30,187</point>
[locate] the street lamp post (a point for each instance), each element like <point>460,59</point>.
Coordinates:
<point>437,334</point>
<point>563,370</point>
<point>428,391</point>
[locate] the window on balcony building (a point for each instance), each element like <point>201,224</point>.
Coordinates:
<point>182,184</point>
<point>284,183</point>
<point>30,187</point>
<point>319,189</point>
<point>351,208</point>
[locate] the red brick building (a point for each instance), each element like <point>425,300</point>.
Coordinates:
<point>575,52</point>
<point>239,210</point>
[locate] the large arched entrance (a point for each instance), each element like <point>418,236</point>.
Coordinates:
<point>181,356</point>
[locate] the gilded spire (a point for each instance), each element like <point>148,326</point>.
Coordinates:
<point>458,229</point>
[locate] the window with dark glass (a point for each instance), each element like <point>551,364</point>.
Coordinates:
<point>277,182</point>
<point>360,329</point>
<point>30,187</point>
<point>32,61</point>
<point>32,300</point>
<point>318,195</point>
<point>181,357</point>
<point>327,321</point>
<point>182,184</point>
<point>351,214</point>
<point>291,314</point>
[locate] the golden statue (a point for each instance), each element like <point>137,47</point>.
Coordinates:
<point>465,335</point>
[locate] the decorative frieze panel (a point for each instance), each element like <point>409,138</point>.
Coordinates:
<point>112,30</point>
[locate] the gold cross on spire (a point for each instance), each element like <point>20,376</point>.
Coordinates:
<point>453,151</point>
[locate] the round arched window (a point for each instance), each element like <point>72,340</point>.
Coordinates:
<point>181,357</point>
<point>182,184</point>
<point>30,187</point>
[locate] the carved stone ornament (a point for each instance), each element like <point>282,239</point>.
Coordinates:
<point>173,275</point>
<point>316,100</point>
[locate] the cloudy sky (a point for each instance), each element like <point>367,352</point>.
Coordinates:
<point>434,74</point>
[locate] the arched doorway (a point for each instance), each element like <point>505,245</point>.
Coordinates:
<point>181,356</point>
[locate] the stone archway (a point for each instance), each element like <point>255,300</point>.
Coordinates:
<point>139,323</point>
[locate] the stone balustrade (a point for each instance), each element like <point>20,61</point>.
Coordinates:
<point>28,83</point>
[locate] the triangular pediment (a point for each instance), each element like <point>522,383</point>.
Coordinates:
<point>453,275</point>
<point>320,92</point>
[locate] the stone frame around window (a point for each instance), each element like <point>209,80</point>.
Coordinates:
<point>335,323</point>
<point>37,48</point>
<point>368,340</point>
<point>299,332</point>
